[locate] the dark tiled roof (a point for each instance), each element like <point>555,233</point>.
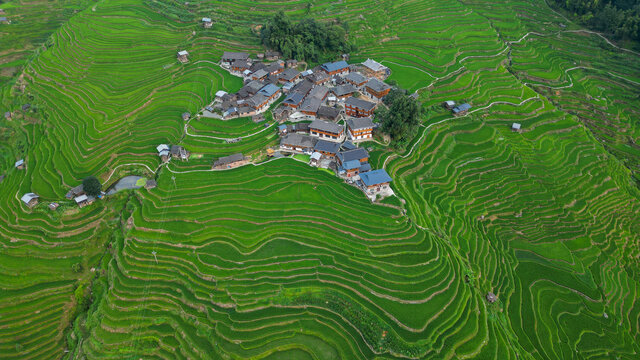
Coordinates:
<point>377,85</point>
<point>327,146</point>
<point>328,112</point>
<point>326,126</point>
<point>355,154</point>
<point>360,123</point>
<point>229,159</point>
<point>360,104</point>
<point>233,56</point>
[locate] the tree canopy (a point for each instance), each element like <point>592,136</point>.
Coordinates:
<point>91,185</point>
<point>618,18</point>
<point>305,40</point>
<point>400,118</point>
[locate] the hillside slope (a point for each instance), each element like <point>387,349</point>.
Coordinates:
<point>281,261</point>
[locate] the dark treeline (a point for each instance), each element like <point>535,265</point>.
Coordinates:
<point>401,117</point>
<point>305,40</point>
<point>619,18</point>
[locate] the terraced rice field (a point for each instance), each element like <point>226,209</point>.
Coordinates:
<point>283,261</point>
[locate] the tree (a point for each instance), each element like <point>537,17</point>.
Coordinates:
<point>400,118</point>
<point>92,186</point>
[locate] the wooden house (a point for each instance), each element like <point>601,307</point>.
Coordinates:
<point>360,128</point>
<point>326,130</point>
<point>298,142</point>
<point>30,199</point>
<point>375,181</point>
<point>230,162</point>
<point>183,56</point>
<point>461,110</point>
<point>327,148</point>
<point>359,108</point>
<point>335,68</point>
<point>179,152</point>
<point>375,69</point>
<point>377,89</point>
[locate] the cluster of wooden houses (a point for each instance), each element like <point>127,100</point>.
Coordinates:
<point>348,161</point>
<point>166,152</point>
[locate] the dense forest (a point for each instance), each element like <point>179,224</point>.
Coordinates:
<point>305,40</point>
<point>618,18</point>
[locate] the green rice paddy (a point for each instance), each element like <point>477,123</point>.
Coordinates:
<point>281,261</point>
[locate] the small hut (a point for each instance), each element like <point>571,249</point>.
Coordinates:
<point>207,23</point>
<point>491,297</point>
<point>186,116</point>
<point>516,127</point>
<point>150,184</point>
<point>19,164</point>
<point>183,56</point>
<point>30,199</point>
<point>53,206</point>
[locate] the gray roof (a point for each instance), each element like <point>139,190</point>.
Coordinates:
<point>327,146</point>
<point>343,90</point>
<point>373,65</point>
<point>233,56</point>
<point>348,145</point>
<point>294,98</point>
<point>205,19</point>
<point>356,78</point>
<point>229,159</point>
<point>260,74</point>
<point>360,123</point>
<point>273,67</point>
<point>176,149</point>
<point>326,126</point>
<point>516,126</point>
<point>319,92</point>
<point>298,140</point>
<point>28,197</point>
<point>355,154</point>
<point>19,162</point>
<point>360,104</point>
<point>81,198</point>
<point>289,74</point>
<point>377,85</point>
<point>256,100</point>
<point>328,112</point>
<point>183,52</point>
<point>7,114</point>
<point>303,87</point>
<point>242,64</point>
<point>311,104</point>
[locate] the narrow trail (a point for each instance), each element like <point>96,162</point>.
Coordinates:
<point>384,164</point>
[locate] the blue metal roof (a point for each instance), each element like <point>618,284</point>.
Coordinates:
<point>463,107</point>
<point>282,127</point>
<point>334,66</point>
<point>294,98</point>
<point>375,177</point>
<point>350,165</point>
<point>269,90</point>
